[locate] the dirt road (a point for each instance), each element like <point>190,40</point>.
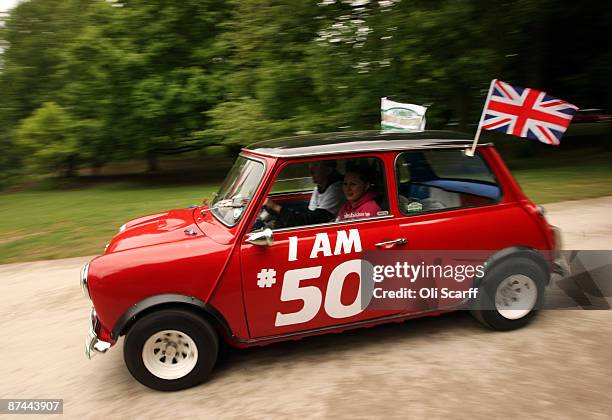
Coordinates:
<point>560,366</point>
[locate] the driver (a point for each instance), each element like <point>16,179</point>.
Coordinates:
<point>326,198</point>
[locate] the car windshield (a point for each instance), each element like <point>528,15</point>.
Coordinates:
<point>230,202</point>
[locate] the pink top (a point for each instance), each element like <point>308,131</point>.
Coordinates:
<point>364,207</point>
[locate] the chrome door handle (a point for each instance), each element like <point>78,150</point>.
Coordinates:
<point>400,241</point>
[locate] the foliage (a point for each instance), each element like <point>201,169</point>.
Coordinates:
<point>140,79</point>
<point>241,122</point>
<point>48,139</point>
<point>9,160</point>
<point>36,33</point>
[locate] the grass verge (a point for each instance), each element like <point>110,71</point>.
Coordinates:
<point>37,225</point>
<point>57,223</point>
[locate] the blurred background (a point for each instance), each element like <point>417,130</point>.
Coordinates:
<point>112,109</point>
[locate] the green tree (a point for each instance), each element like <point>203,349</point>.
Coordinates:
<point>48,137</point>
<point>240,122</point>
<point>35,35</point>
<point>265,80</point>
<point>95,68</point>
<point>138,78</point>
<point>172,72</point>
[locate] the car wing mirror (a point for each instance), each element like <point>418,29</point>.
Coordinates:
<point>262,238</point>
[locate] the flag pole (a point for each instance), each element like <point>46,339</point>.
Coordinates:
<point>471,151</point>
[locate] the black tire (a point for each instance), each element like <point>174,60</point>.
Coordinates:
<point>184,321</point>
<point>485,309</point>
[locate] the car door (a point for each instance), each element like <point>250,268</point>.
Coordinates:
<point>309,278</point>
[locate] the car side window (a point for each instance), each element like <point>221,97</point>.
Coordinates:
<point>435,180</point>
<point>293,178</point>
<point>325,190</point>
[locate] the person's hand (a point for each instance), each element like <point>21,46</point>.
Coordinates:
<point>270,204</point>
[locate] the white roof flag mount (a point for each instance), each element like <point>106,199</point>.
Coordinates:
<point>403,117</point>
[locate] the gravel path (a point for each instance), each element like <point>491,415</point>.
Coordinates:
<point>447,366</point>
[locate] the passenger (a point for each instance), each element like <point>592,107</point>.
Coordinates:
<point>324,203</point>
<point>361,202</point>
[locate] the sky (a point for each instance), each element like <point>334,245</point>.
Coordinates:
<point>7,4</point>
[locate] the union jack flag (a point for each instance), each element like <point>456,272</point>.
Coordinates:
<point>526,112</point>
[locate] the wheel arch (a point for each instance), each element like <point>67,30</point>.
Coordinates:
<point>517,252</point>
<point>165,301</point>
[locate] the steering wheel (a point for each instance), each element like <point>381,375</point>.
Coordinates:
<point>265,219</point>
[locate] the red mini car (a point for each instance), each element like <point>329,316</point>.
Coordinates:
<point>280,251</point>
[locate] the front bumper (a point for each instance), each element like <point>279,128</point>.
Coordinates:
<point>93,344</point>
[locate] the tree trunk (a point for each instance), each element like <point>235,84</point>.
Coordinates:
<point>152,163</point>
<point>96,169</point>
<point>462,101</point>
<point>71,166</point>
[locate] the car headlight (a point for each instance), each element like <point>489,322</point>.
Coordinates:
<point>83,281</point>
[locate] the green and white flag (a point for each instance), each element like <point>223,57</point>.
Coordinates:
<point>398,116</point>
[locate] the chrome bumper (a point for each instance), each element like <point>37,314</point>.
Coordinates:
<point>93,344</point>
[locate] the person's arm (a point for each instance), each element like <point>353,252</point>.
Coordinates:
<point>289,217</point>
<point>272,206</point>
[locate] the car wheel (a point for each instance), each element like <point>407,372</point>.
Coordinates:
<point>171,349</point>
<point>510,295</point>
